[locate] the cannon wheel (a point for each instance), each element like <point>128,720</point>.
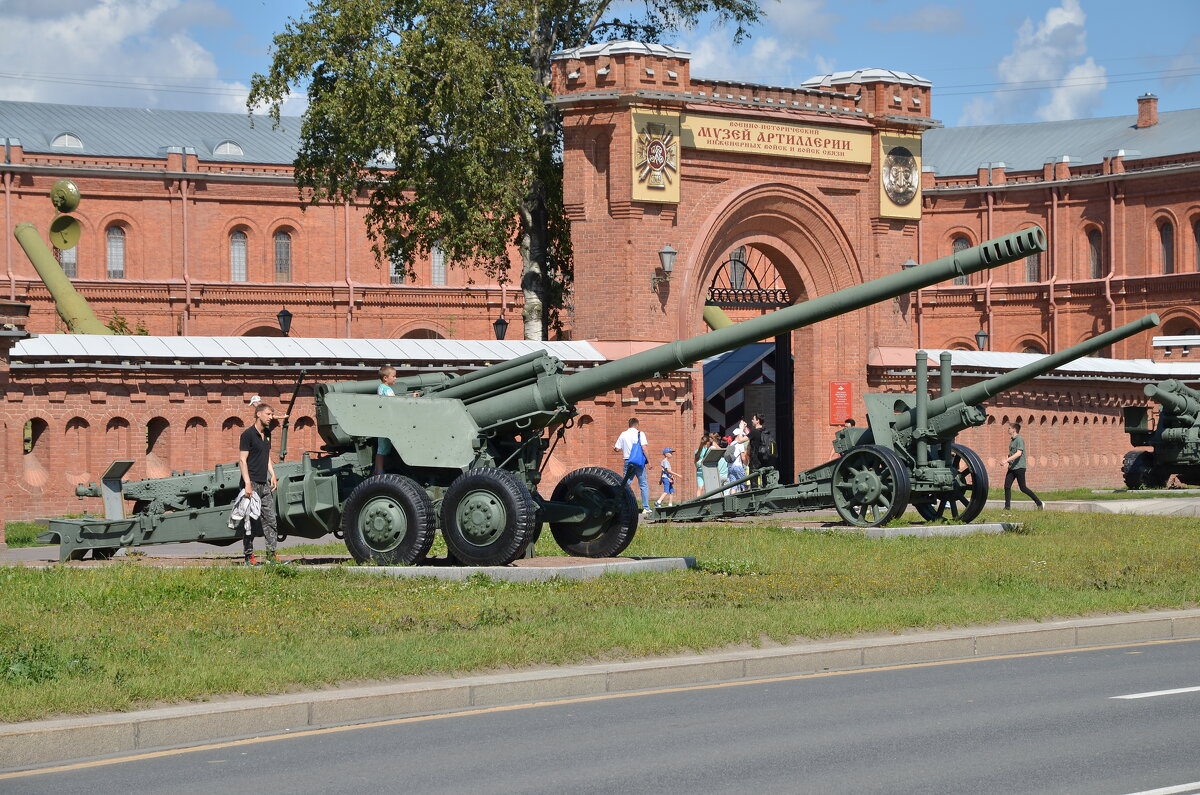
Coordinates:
<point>1139,469</point>
<point>388,520</point>
<point>612,513</point>
<point>971,489</point>
<point>870,486</point>
<point>489,517</point>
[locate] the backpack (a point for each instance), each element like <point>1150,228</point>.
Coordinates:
<point>766,451</point>
<point>730,457</point>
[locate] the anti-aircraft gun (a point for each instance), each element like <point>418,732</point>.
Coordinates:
<point>468,453</point>
<point>1175,439</point>
<point>906,455</point>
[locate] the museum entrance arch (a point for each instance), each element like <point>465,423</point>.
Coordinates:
<point>793,249</point>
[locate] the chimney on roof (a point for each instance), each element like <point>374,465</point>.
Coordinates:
<point>1147,110</point>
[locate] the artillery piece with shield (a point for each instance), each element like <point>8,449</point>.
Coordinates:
<point>469,451</point>
<point>1175,438</point>
<point>906,455</point>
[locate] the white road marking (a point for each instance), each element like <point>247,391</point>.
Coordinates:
<point>1178,789</point>
<point>1161,693</point>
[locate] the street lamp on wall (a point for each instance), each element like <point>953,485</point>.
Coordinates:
<point>500,326</point>
<point>666,262</point>
<point>285,321</point>
<point>981,340</point>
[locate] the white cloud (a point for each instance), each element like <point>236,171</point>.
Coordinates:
<point>930,18</point>
<point>1052,57</point>
<point>114,52</point>
<point>776,51</point>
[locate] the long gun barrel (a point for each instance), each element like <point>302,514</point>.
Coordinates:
<point>71,306</point>
<point>547,394</point>
<point>977,393</point>
<point>1175,397</point>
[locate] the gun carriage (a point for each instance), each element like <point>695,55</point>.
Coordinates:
<point>1174,440</point>
<point>906,455</point>
<point>469,451</point>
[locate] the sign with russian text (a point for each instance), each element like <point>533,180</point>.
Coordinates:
<point>841,401</point>
<point>782,138</point>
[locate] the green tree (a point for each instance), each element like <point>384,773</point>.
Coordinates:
<point>440,110</point>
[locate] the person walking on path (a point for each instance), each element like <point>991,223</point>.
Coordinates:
<point>668,479</point>
<point>632,446</point>
<point>258,478</point>
<point>1016,468</point>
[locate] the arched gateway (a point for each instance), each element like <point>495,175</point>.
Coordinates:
<point>823,181</point>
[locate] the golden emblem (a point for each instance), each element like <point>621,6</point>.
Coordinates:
<point>900,177</point>
<point>657,155</point>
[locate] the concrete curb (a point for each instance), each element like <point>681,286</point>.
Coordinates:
<point>34,743</point>
<point>574,571</point>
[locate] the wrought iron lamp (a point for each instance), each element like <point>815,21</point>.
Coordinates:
<point>285,321</point>
<point>666,261</point>
<point>981,340</point>
<point>500,326</point>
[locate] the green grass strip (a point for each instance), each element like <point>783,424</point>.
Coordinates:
<point>75,640</point>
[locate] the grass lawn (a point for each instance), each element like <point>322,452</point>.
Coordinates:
<point>22,534</point>
<point>75,640</point>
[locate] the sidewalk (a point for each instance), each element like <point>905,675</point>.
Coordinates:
<point>41,742</point>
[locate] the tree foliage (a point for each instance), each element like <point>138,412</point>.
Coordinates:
<point>439,111</point>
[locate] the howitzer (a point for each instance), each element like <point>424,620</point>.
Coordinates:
<point>906,455</point>
<point>468,450</point>
<point>1175,439</point>
<point>64,232</point>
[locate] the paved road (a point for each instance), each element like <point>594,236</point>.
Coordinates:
<point>1036,723</point>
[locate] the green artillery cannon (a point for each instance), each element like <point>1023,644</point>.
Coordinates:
<point>469,451</point>
<point>1175,439</point>
<point>906,455</point>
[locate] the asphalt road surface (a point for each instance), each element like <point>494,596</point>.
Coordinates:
<point>1055,723</point>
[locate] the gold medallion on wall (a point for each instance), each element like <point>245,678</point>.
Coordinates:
<point>900,176</point>
<point>655,157</point>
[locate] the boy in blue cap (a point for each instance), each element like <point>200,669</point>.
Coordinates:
<point>668,479</point>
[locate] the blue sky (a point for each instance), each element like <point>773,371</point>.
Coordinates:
<point>990,62</point>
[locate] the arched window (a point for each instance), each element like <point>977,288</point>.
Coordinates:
<point>1096,265</point>
<point>1033,267</point>
<point>1032,347</point>
<point>437,265</point>
<point>237,256</point>
<point>228,148</point>
<point>399,273</point>
<point>957,244</point>
<point>69,140</point>
<point>115,238</point>
<point>1166,246</point>
<point>283,256</point>
<point>737,268</point>
<point>1196,241</point>
<point>69,259</point>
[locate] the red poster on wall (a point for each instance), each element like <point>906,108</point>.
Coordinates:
<point>841,401</point>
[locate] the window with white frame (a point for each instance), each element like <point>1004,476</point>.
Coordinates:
<point>69,259</point>
<point>237,256</point>
<point>283,256</point>
<point>437,265</point>
<point>957,244</point>
<point>115,245</point>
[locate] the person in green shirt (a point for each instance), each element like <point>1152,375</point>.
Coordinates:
<point>1016,468</point>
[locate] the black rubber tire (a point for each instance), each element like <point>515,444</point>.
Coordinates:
<point>973,479</point>
<point>889,469</point>
<point>489,497</point>
<point>389,500</point>
<point>1140,469</point>
<point>613,506</point>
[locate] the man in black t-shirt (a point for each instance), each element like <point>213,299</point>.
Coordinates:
<point>258,477</point>
<point>757,426</point>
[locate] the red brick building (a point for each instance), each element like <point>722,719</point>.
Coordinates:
<point>820,187</point>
